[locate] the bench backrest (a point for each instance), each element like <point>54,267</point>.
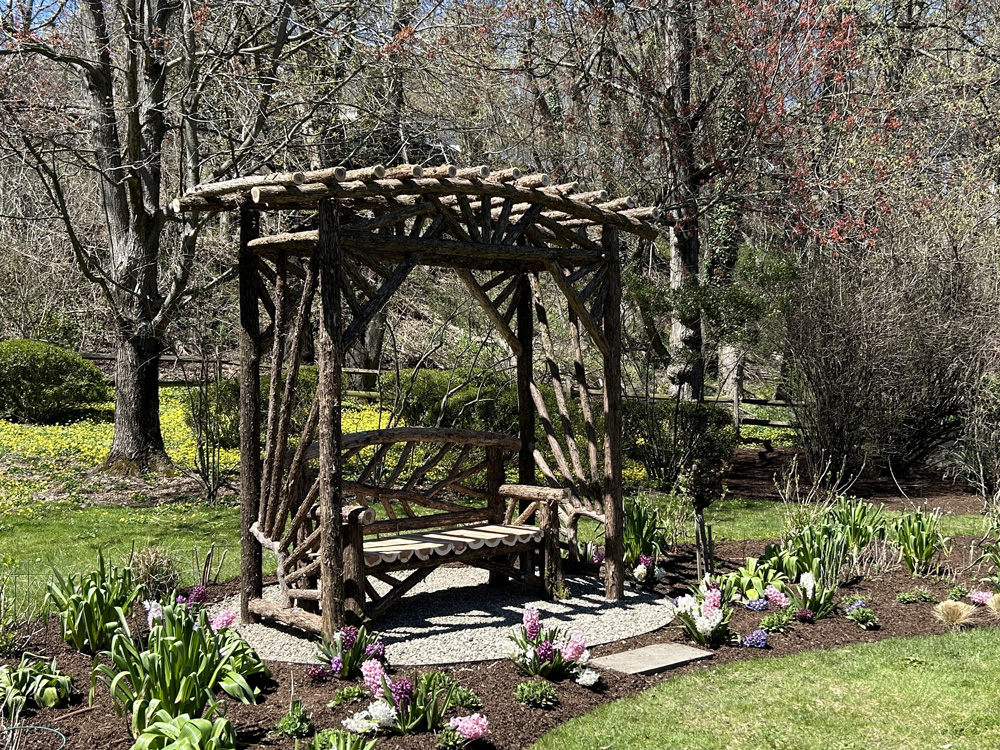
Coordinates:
<point>426,477</point>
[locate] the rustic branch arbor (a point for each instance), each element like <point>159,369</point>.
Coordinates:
<point>440,494</point>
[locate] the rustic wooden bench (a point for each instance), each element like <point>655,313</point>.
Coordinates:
<point>415,499</point>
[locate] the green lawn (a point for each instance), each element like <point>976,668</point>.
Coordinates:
<point>37,537</point>
<point>737,519</point>
<point>915,693</point>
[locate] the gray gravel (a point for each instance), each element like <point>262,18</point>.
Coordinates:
<point>454,616</point>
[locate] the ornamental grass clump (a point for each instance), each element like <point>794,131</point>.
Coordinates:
<point>956,615</point>
<point>704,614</point>
<point>993,605</point>
<point>349,649</point>
<point>550,653</point>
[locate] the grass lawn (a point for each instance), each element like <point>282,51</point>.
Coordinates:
<point>39,536</point>
<point>915,693</point>
<point>737,519</point>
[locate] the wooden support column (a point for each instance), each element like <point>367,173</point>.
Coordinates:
<point>525,373</point>
<point>250,468</point>
<point>614,550</point>
<point>525,403</point>
<point>330,365</point>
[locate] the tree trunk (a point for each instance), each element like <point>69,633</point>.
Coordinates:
<point>138,443</point>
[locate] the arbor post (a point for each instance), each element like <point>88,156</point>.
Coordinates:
<point>614,550</point>
<point>250,468</point>
<point>330,440</point>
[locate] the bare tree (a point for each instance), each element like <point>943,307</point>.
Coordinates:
<point>158,96</point>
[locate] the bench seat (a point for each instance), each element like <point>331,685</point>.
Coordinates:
<point>431,546</point>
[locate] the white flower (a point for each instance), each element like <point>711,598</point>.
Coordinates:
<point>383,714</point>
<point>588,678</point>
<point>808,584</point>
<point>359,723</point>
<point>639,572</point>
<point>529,654</point>
<point>688,605</point>
<point>705,625</point>
<point>659,574</point>
<point>584,657</point>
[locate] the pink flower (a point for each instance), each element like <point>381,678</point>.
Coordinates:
<point>775,597</point>
<point>224,619</point>
<point>713,599</point>
<point>980,598</point>
<point>531,623</point>
<point>471,727</point>
<point>373,672</point>
<point>573,649</point>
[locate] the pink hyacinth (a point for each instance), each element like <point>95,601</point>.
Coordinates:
<point>531,623</point>
<point>573,649</point>
<point>646,560</point>
<point>224,619</point>
<point>471,727</point>
<point>373,672</point>
<point>713,599</point>
<point>775,597</point>
<point>979,598</point>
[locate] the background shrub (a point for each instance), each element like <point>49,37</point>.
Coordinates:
<point>42,383</point>
<point>221,402</point>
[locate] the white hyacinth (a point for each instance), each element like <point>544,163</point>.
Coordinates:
<point>687,605</point>
<point>639,572</point>
<point>707,623</point>
<point>382,714</point>
<point>360,723</point>
<point>808,584</point>
<point>659,574</point>
<point>588,678</point>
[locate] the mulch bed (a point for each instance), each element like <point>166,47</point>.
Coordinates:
<point>512,725</point>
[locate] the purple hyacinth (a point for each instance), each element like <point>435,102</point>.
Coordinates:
<point>757,605</point>
<point>375,651</point>
<point>646,560</point>
<point>319,672</point>
<point>598,557</point>
<point>337,665</point>
<point>859,604</point>
<point>757,639</point>
<point>545,651</point>
<point>349,635</point>
<point>805,615</point>
<point>402,694</point>
<point>532,625</point>
<point>198,595</point>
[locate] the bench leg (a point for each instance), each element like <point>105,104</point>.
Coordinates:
<point>552,575</point>
<point>354,573</point>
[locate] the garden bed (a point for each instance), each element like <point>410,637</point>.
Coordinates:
<point>513,725</point>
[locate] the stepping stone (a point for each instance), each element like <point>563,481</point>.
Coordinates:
<point>652,659</point>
